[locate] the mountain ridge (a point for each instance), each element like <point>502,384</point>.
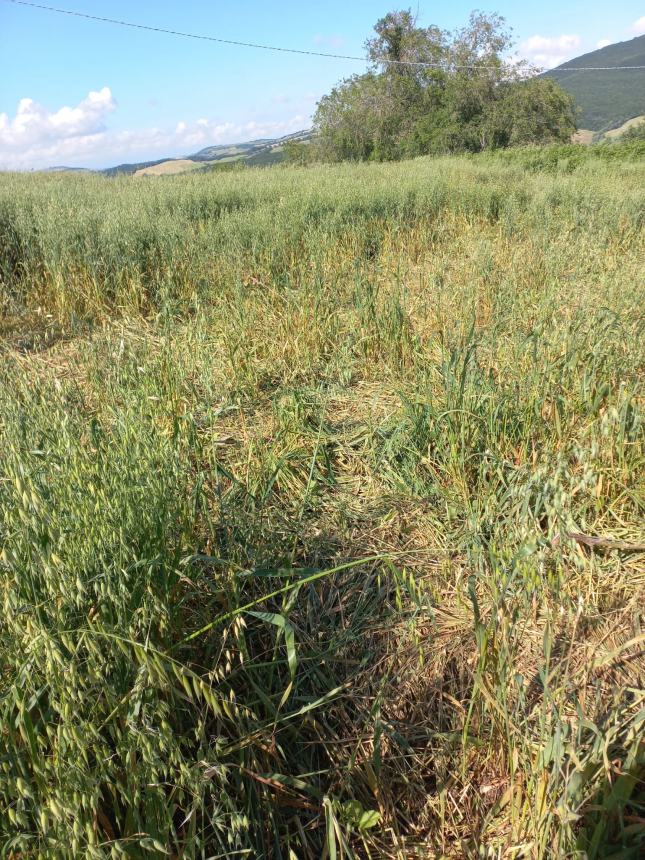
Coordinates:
<point>605,99</point>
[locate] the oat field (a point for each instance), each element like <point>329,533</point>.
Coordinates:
<point>321,512</point>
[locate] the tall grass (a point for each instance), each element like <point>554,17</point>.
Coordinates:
<point>293,466</point>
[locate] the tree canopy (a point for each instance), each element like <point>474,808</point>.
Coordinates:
<point>429,90</point>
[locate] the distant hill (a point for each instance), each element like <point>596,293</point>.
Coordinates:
<point>131,169</point>
<point>63,169</point>
<point>228,151</point>
<point>606,99</point>
<point>254,152</point>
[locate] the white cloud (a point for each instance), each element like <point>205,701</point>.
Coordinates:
<point>638,27</point>
<point>550,51</point>
<point>33,125</point>
<point>603,43</point>
<point>77,136</point>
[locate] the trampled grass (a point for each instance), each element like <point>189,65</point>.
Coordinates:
<point>291,464</point>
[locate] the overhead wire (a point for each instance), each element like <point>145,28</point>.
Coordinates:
<point>236,43</point>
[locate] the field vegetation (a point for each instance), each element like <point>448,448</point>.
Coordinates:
<point>321,505</point>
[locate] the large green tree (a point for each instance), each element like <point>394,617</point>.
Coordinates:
<point>432,91</point>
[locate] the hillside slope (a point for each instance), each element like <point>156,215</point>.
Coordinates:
<point>606,99</point>
<point>263,151</point>
<point>254,152</point>
<point>169,168</point>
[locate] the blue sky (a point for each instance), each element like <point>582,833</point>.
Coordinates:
<point>85,93</point>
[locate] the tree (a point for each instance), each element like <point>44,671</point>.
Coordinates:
<point>399,41</point>
<point>371,116</point>
<point>433,91</point>
<point>478,73</point>
<point>532,111</point>
<point>351,120</point>
<point>298,152</point>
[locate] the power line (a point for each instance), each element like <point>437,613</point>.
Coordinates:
<point>418,64</point>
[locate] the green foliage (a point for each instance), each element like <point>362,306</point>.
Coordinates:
<point>291,461</point>
<point>298,152</point>
<point>468,99</point>
<point>529,112</point>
